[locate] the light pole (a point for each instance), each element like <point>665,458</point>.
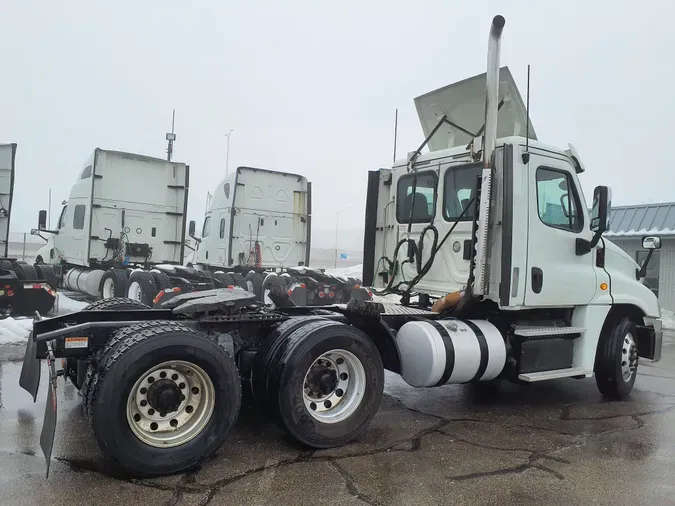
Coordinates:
<point>227,155</point>
<point>337,221</point>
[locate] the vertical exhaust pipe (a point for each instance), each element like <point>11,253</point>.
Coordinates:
<point>492,91</point>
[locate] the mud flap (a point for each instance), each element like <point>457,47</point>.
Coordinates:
<point>49,422</point>
<point>29,379</point>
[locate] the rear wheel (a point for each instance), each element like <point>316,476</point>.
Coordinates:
<point>25,272</point>
<point>324,383</point>
<point>115,304</point>
<point>114,284</point>
<point>616,360</point>
<point>171,370</point>
<point>162,280</point>
<point>141,286</point>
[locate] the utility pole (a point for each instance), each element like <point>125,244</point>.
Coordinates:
<point>171,137</point>
<point>227,154</point>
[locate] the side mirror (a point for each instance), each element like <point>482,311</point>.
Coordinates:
<point>602,206</point>
<point>651,242</point>
<point>192,227</point>
<point>42,220</point>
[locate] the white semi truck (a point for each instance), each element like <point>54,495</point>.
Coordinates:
<point>122,233</point>
<point>258,225</point>
<point>489,232</point>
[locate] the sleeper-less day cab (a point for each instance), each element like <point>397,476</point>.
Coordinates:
<point>502,273</point>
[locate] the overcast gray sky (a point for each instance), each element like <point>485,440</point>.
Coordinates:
<point>311,87</point>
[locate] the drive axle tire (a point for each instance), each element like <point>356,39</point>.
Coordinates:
<point>325,383</point>
<point>162,280</point>
<point>116,304</point>
<point>142,287</point>
<point>7,265</point>
<point>165,399</point>
<point>25,272</point>
<point>47,273</point>
<point>114,284</point>
<point>616,359</point>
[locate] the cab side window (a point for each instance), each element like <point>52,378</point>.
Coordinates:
<point>558,202</point>
<point>78,217</point>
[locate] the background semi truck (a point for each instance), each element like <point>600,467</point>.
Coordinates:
<point>23,289</point>
<point>505,288</point>
<point>258,224</point>
<point>121,233</point>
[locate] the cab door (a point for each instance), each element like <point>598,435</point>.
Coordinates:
<point>556,275</point>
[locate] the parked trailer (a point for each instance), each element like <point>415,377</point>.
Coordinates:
<point>23,289</point>
<point>538,295</point>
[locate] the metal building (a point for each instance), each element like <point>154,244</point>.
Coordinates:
<point>629,224</point>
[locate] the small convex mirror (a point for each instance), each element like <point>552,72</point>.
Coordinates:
<point>651,242</point>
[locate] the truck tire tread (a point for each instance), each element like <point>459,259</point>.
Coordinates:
<point>126,341</point>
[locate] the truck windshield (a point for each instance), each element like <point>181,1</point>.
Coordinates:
<point>207,227</point>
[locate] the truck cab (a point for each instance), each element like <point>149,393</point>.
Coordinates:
<point>504,233</point>
<point>256,218</point>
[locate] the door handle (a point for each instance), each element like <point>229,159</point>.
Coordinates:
<point>537,279</point>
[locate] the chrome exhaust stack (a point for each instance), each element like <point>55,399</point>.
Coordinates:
<point>492,91</point>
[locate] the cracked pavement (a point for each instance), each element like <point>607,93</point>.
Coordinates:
<point>551,443</point>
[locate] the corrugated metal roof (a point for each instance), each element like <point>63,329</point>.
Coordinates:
<point>642,220</point>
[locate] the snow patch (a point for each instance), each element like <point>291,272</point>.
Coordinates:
<point>65,305</point>
<point>15,331</point>
<point>355,271</point>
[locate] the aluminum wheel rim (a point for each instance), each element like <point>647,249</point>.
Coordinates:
<point>108,288</point>
<point>346,387</point>
<point>177,427</point>
<point>628,357</point>
<point>134,291</point>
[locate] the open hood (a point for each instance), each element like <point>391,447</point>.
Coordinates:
<point>464,104</point>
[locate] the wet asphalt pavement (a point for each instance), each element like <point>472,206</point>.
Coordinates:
<point>551,443</point>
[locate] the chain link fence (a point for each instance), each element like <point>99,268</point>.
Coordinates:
<point>24,246</point>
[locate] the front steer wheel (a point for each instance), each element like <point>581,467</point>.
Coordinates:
<point>617,359</point>
<point>324,382</point>
<point>165,398</point>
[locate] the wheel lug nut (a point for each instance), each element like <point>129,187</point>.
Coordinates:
<point>339,392</point>
<point>154,426</point>
<point>174,377</point>
<point>151,411</point>
<point>327,404</point>
<point>344,376</point>
<point>313,406</point>
<point>144,390</point>
<point>144,403</point>
<point>340,361</point>
<point>162,374</point>
<point>189,409</point>
<point>137,417</point>
<point>195,390</point>
<point>181,386</point>
<point>173,423</point>
<point>151,379</point>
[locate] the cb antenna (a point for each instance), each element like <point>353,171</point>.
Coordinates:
<point>526,155</point>
<point>171,137</point>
